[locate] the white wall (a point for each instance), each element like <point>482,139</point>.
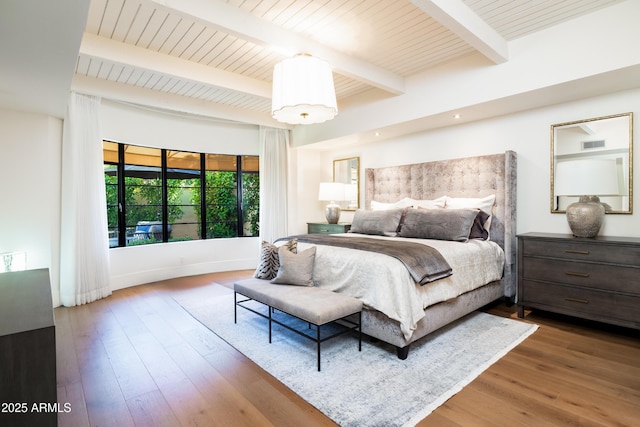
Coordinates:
<point>153,128</point>
<point>143,264</point>
<point>30,204</point>
<point>527,133</point>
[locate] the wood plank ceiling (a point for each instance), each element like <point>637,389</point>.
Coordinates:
<point>161,46</point>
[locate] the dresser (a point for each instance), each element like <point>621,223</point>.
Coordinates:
<point>592,278</point>
<point>324,228</point>
<point>28,390</point>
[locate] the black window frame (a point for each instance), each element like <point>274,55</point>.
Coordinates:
<point>204,235</point>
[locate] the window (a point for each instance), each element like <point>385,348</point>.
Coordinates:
<point>250,195</point>
<point>183,189</point>
<point>221,195</point>
<point>157,195</point>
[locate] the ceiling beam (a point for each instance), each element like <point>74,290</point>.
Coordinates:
<point>162,101</point>
<point>125,54</point>
<point>232,20</point>
<point>463,22</point>
<point>39,49</point>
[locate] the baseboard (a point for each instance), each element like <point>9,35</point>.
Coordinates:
<point>148,276</point>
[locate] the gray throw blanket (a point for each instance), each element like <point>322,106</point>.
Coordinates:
<point>425,263</point>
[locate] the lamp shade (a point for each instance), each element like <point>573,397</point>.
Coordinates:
<point>331,191</point>
<point>303,91</point>
<point>588,177</point>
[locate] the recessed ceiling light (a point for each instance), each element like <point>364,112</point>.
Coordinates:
<point>457,116</point>
<point>377,134</point>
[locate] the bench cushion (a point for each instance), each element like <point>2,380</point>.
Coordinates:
<point>309,303</point>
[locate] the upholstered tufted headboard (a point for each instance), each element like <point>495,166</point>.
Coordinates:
<point>467,177</point>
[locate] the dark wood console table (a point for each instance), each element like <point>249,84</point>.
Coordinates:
<point>27,350</point>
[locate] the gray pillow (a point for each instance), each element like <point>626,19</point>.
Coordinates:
<point>383,222</point>
<point>477,230</point>
<point>295,269</point>
<point>439,224</point>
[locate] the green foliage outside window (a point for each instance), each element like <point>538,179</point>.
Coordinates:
<point>251,202</point>
<point>222,203</point>
<point>143,200</point>
<point>112,201</point>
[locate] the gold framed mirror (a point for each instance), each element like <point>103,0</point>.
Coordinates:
<point>593,157</point>
<point>347,171</point>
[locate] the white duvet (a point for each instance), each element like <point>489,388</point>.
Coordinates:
<point>384,284</point>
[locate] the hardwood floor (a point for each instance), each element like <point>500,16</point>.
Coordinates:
<point>137,358</point>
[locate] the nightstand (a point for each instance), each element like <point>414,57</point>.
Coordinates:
<point>592,278</point>
<point>324,228</point>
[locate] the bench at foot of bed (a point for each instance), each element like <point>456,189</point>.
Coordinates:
<point>313,305</point>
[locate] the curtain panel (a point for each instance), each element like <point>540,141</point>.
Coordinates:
<point>274,145</point>
<point>84,243</point>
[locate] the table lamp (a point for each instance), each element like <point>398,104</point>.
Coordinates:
<point>332,192</point>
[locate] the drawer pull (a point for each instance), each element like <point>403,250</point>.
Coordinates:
<point>581,301</point>
<point>574,251</point>
<point>573,273</point>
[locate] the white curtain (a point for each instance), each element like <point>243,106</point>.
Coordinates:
<point>84,243</point>
<point>274,144</point>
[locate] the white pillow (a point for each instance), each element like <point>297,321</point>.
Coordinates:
<point>380,206</point>
<point>438,203</point>
<point>483,203</point>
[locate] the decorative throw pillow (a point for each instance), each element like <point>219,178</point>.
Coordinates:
<point>269,263</point>
<point>477,229</point>
<point>383,222</point>
<point>482,203</point>
<point>439,224</point>
<point>295,269</point>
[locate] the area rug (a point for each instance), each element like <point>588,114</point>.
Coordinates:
<point>368,388</point>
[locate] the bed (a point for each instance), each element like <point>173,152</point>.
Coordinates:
<point>465,177</point>
<point>403,299</point>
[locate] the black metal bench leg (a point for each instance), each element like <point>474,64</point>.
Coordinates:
<point>270,319</point>
<point>318,337</point>
<point>235,307</point>
<point>360,331</point>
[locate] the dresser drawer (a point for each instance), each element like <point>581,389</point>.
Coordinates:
<point>602,306</point>
<point>580,250</point>
<point>320,228</point>
<point>591,275</point>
